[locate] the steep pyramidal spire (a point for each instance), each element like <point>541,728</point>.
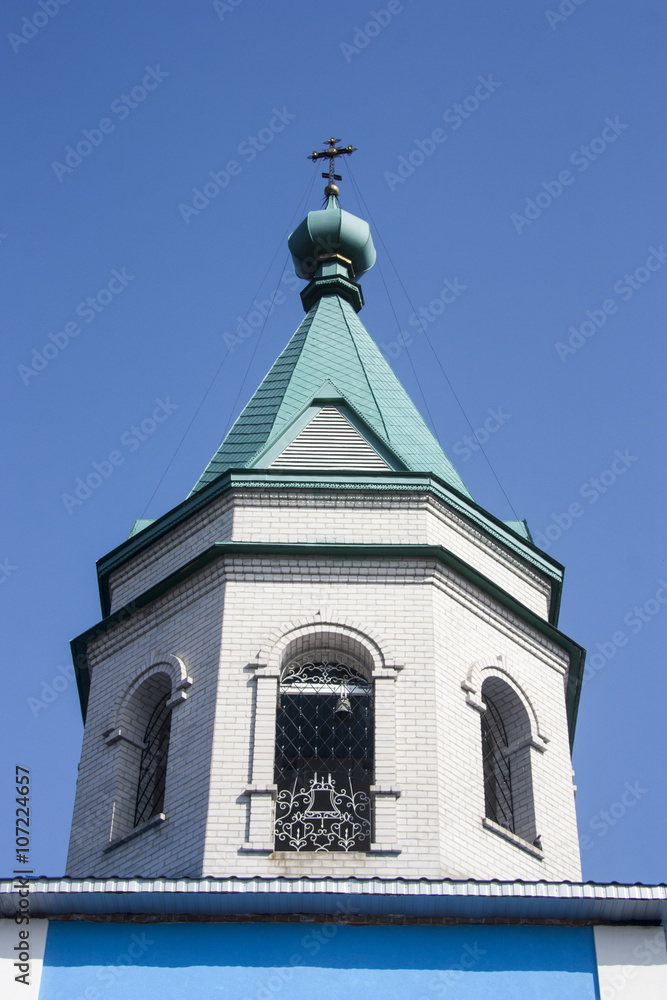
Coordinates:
<point>331,400</point>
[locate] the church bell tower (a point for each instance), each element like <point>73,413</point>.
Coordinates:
<point>328,660</point>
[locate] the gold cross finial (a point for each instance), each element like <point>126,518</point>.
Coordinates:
<point>332,152</point>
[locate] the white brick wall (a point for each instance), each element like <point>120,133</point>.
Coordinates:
<point>228,618</point>
<point>183,543</point>
<point>185,623</point>
<point>254,515</point>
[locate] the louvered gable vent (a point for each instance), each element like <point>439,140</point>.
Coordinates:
<point>329,441</point>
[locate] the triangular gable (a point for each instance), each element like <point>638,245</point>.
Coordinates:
<point>327,433</point>
<point>329,441</point>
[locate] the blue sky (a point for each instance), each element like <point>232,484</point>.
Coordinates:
<point>511,149</point>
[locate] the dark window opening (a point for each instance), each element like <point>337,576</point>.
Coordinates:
<point>324,758</point>
<point>498,799</point>
<point>153,764</point>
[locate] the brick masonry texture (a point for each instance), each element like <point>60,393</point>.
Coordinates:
<point>297,516</point>
<point>227,625</point>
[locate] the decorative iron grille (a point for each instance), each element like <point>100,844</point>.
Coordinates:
<point>153,764</point>
<point>497,770</point>
<point>324,758</point>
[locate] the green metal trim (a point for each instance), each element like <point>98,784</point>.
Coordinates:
<point>378,480</point>
<point>333,285</point>
<point>344,551</point>
<point>79,645</point>
<point>82,673</point>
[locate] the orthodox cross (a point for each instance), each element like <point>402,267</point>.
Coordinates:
<point>332,152</point>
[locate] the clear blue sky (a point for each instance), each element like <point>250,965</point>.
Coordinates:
<point>568,114</point>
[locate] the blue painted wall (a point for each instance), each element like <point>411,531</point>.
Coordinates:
<point>263,961</point>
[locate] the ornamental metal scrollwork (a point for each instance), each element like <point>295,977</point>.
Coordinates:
<point>324,758</point>
<point>302,825</point>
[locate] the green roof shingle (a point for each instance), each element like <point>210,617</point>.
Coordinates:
<point>333,345</point>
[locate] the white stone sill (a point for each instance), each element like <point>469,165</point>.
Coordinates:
<point>500,831</point>
<point>155,821</point>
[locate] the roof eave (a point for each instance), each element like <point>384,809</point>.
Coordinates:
<point>448,900</point>
<point>244,477</point>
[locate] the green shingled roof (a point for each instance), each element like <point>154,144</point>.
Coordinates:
<point>332,345</point>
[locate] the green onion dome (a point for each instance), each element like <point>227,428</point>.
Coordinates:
<point>329,234</point>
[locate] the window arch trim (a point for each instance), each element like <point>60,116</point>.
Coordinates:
<point>479,672</point>
<point>267,667</point>
<point>507,771</point>
<point>272,653</point>
<point>166,684</point>
<point>120,727</point>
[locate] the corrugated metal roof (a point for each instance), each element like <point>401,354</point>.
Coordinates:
<point>444,898</point>
<point>333,344</point>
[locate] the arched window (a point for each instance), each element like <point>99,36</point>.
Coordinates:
<point>153,764</point>
<point>498,800</point>
<point>140,739</point>
<point>506,738</point>
<point>324,755</point>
